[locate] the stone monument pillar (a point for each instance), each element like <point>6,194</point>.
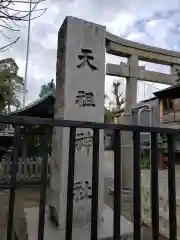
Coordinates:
<point>80,97</point>
<point>127,140</point>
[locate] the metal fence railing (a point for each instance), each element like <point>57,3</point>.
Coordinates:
<point>136,130</point>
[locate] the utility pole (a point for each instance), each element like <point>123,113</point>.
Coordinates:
<point>27,55</point>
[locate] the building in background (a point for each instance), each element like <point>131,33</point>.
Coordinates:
<point>161,111</point>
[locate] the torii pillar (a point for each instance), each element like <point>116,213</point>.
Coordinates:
<point>127,137</point>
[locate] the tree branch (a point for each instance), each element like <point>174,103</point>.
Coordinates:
<point>4,35</point>
<point>8,26</point>
<point>8,46</point>
<point>11,13</point>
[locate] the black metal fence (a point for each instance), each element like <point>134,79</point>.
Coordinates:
<point>48,123</point>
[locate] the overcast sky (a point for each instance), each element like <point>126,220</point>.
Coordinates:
<point>154,22</point>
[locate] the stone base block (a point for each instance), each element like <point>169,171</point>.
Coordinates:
<point>80,233</point>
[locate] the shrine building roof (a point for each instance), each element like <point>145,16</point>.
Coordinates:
<point>172,92</point>
<point>43,107</point>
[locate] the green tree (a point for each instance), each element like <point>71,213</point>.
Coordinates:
<point>108,115</point>
<point>10,85</point>
<point>47,88</point>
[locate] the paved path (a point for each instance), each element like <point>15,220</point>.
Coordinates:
<point>163,180</point>
<point>27,197</point>
<point>126,208</point>
<point>30,197</point>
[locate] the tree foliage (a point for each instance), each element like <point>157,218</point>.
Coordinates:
<point>13,13</point>
<point>163,142</point>
<point>108,115</point>
<point>10,85</point>
<point>47,88</point>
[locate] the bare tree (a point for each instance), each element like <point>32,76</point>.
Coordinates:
<point>13,15</point>
<point>118,94</point>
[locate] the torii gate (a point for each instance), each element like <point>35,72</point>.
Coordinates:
<point>133,72</point>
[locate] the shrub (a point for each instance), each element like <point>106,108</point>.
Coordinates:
<point>145,162</point>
